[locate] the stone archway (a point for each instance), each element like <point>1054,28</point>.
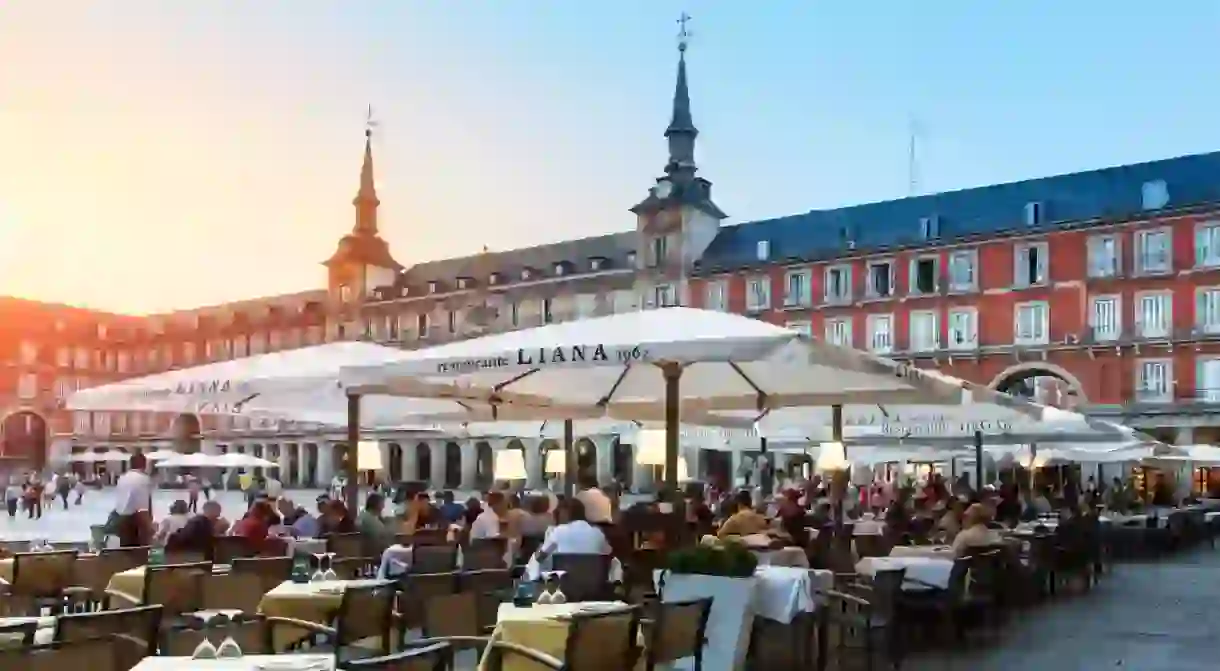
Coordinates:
<point>1049,383</point>
<point>485,465</point>
<point>394,468</point>
<point>423,462</point>
<point>453,466</point>
<point>23,437</point>
<point>544,448</point>
<point>623,462</point>
<point>187,433</point>
<point>586,460</point>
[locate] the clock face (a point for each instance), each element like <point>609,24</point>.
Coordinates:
<point>662,189</point>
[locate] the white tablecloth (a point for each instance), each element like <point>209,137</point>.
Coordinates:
<point>534,570</point>
<point>784,591</point>
<point>925,569</point>
<point>790,556</point>
<point>929,551</point>
<point>43,635</point>
<point>306,546</point>
<point>246,663</point>
<point>396,560</point>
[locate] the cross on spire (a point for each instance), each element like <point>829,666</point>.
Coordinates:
<point>369,122</point>
<point>684,34</point>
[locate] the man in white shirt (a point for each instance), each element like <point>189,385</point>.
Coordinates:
<point>598,509</point>
<point>487,524</point>
<point>133,503</point>
<point>575,536</point>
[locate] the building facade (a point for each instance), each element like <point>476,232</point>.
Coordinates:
<point>1100,288</point>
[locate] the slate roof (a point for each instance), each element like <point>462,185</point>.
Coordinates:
<point>1065,200</point>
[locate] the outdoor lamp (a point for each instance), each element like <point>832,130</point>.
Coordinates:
<point>832,458</point>
<point>650,447</point>
<point>368,455</point>
<point>509,464</point>
<point>556,462</point>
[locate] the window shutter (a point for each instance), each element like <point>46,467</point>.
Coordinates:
<point>1020,267</point>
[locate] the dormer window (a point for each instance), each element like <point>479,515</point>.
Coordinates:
<point>527,274</point>
<point>493,278</point>
<point>631,259</point>
<point>463,282</point>
<point>101,331</point>
<point>1033,213</point>
<point>404,291</point>
<point>432,287</point>
<point>1155,194</point>
<point>559,268</point>
<point>596,263</point>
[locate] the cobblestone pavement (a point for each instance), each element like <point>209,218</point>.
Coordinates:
<point>1154,616</point>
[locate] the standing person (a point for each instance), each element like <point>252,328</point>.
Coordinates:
<point>63,487</point>
<point>192,494</point>
<point>206,486</point>
<point>12,497</point>
<point>79,487</point>
<point>133,503</point>
<point>33,498</point>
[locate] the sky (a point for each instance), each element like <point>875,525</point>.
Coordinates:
<point>165,155</point>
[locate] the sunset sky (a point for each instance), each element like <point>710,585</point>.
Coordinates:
<point>158,155</point>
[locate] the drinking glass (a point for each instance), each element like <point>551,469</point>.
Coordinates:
<point>229,647</point>
<point>330,567</point>
<point>317,573</point>
<point>205,649</point>
<point>558,596</point>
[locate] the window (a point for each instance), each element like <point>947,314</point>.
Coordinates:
<point>514,314</point>
<point>880,279</point>
<point>82,423</point>
<point>799,291</point>
<point>494,278</point>
<point>1032,324</point>
<point>1033,213</point>
<point>1031,264</point>
<point>881,333</point>
<point>838,285</point>
<point>1154,380</point>
<point>29,352</point>
<point>838,332</point>
<point>659,250</point>
<point>1103,256</point>
<point>1207,309</point>
<point>961,270</point>
<point>929,227</point>
<point>925,332</point>
<point>1207,379</point>
<point>715,296</point>
<point>1152,252</point>
<point>63,357</point>
<point>1207,245</point>
<point>963,328</point>
<point>547,315</point>
<point>803,328</point>
<point>924,275</point>
<point>559,268</point>
<point>1155,194</point>
<point>423,324</point>
<point>345,293</point>
<point>391,328</point>
<point>758,293</point>
<point>1154,315</point>
<point>27,386</point>
<point>452,321</point>
<point>595,264</point>
<point>1105,318</point>
<point>188,353</point>
<point>665,296</point>
<point>764,250</point>
<point>631,259</point>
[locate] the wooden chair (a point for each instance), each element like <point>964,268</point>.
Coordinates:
<point>141,622</point>
<point>603,641</point>
<point>252,635</point>
<point>417,589</point>
<point>271,571</point>
<point>677,630</point>
<point>176,587</point>
<point>586,576</point>
<point>433,558</point>
<point>110,653</point>
<point>346,544</point>
<point>434,657</point>
<point>227,548</point>
<point>233,591</point>
<point>484,553</point>
<point>492,587</point>
<point>42,580</point>
<point>363,626</point>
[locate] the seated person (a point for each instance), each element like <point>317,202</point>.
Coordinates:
<point>371,525</point>
<point>198,533</point>
<point>746,520</point>
<point>975,532</point>
<point>334,519</point>
<point>574,536</point>
<point>255,527</point>
<point>175,520</point>
<point>488,523</point>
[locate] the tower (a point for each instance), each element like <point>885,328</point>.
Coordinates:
<point>362,261</point>
<point>677,220</point>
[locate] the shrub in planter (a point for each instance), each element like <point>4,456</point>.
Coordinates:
<point>729,560</point>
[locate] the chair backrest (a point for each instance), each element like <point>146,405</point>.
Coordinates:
<point>177,587</point>
<point>433,558</point>
<point>227,548</point>
<point>417,588</point>
<point>252,636</point>
<point>346,544</point>
<point>116,560</point>
<point>483,553</point>
<point>603,641</point>
<point>43,574</point>
<point>433,657</point>
<point>586,577</point>
<point>271,570</point>
<point>109,653</point>
<point>527,547</point>
<point>427,536</point>
<point>886,591</point>
<point>366,612</point>
<point>678,631</point>
<point>452,615</point>
<point>141,622</point>
<point>233,591</point>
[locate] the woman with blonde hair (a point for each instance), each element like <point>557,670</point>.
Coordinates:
<point>975,532</point>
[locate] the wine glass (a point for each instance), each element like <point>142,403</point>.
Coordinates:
<point>317,573</point>
<point>558,596</point>
<point>205,649</point>
<point>229,647</point>
<point>330,567</point>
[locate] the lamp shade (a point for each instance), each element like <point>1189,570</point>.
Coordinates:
<point>509,465</point>
<point>555,462</point>
<point>832,457</point>
<point>368,455</point>
<point>683,473</point>
<point>650,447</point>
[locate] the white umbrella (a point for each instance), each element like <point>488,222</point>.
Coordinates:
<point>85,457</point>
<point>239,460</point>
<point>113,456</point>
<point>159,454</point>
<point>194,460</point>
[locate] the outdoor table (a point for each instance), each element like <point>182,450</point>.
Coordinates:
<point>84,562</point>
<point>304,662</point>
<point>130,583</point>
<point>542,627</point>
<point>314,602</point>
<point>789,556</point>
<point>783,592</point>
<point>927,551</point>
<point>924,569</point>
<point>44,634</point>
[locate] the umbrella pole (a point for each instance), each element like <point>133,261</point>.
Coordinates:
<point>766,474</point>
<point>978,461</point>
<point>673,399</point>
<point>569,458</point>
<point>839,478</point>
<point>350,468</point>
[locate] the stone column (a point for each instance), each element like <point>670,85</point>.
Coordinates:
<point>326,464</point>
<point>470,464</point>
<point>285,463</point>
<point>535,462</point>
<point>209,447</point>
<point>642,474</point>
<point>604,443</point>
<point>408,469</point>
<point>437,479</point>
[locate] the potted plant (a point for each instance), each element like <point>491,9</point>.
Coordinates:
<point>723,570</point>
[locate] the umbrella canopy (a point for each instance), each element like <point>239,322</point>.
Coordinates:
<point>113,456</point>
<point>1198,456</point>
<point>85,457</point>
<point>159,454</point>
<point>194,460</point>
<point>239,460</point>
<point>624,365</point>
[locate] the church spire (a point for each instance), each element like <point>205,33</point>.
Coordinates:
<point>681,132</point>
<point>366,201</point>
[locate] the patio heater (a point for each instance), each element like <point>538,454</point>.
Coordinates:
<point>832,460</point>
<point>351,465</point>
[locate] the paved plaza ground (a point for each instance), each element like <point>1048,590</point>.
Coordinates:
<point>1151,616</point>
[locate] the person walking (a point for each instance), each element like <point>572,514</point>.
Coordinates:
<point>63,487</point>
<point>12,497</point>
<point>133,504</point>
